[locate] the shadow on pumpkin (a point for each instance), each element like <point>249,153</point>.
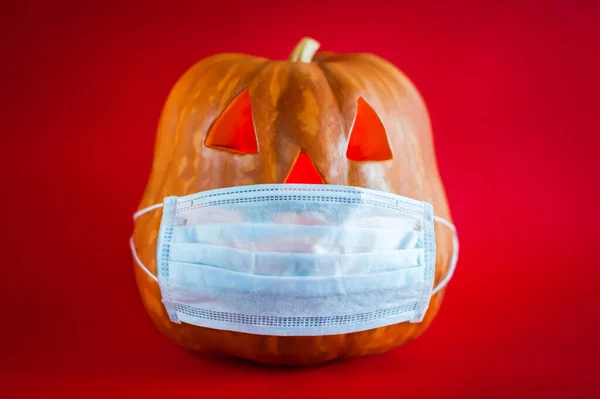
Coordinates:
<point>402,360</point>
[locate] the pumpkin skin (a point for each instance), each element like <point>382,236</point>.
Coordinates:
<point>296,106</point>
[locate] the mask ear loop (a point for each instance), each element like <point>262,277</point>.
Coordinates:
<point>146,210</point>
<point>454,258</point>
<point>132,244</point>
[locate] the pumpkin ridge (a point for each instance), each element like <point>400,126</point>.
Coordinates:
<point>329,76</point>
<point>280,119</point>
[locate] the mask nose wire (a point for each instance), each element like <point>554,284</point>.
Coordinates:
<point>437,289</point>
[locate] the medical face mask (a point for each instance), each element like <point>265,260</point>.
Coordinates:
<point>296,259</point>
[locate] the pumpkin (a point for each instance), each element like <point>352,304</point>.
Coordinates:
<point>235,119</point>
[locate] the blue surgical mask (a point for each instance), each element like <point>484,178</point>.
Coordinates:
<point>296,259</point>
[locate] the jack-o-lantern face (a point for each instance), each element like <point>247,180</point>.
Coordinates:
<point>234,131</point>
<point>235,120</point>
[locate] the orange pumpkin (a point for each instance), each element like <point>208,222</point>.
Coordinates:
<point>234,119</point>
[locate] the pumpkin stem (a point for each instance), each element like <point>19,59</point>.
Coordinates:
<point>305,50</point>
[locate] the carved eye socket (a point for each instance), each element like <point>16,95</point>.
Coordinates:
<point>368,139</point>
<point>234,130</point>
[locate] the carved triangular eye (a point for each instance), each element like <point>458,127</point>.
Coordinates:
<point>234,130</point>
<point>368,139</point>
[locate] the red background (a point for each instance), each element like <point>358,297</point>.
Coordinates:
<point>513,95</point>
